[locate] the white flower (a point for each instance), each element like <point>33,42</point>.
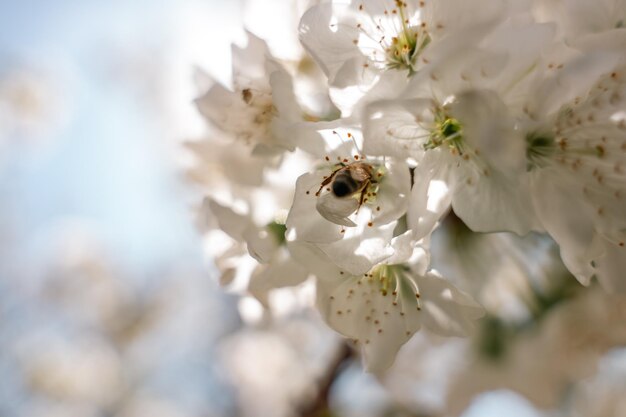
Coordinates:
<point>355,43</point>
<point>542,362</point>
<point>262,110</point>
<point>577,161</point>
<point>468,156</point>
<point>217,161</point>
<point>381,309</point>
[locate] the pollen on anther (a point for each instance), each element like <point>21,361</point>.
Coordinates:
<point>327,158</point>
<point>339,312</point>
<point>308,192</point>
<point>370,224</point>
<point>621,244</point>
<point>380,331</point>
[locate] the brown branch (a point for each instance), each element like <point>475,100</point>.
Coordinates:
<point>319,406</point>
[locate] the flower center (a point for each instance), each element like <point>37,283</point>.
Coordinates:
<point>408,44</point>
<point>386,276</point>
<point>538,147</point>
<point>398,34</point>
<point>262,104</point>
<point>405,48</point>
<point>447,131</point>
<point>277,230</point>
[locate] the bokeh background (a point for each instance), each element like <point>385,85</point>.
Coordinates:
<point>108,304</point>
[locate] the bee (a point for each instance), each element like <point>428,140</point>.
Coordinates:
<point>350,179</point>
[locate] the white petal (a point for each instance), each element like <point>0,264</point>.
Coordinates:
<point>281,272</point>
<point>493,203</point>
<point>304,222</point>
<point>446,310</point>
<point>262,245</point>
<point>575,79</point>
<point>489,129</point>
<point>392,199</point>
<point>357,254</point>
<point>403,247</point>
<point>283,96</point>
<point>565,219</point>
<point>230,222</point>
<point>390,129</point>
<point>611,265</point>
<point>249,62</point>
<point>431,194</point>
<point>335,209</point>
<point>447,16</point>
<point>331,43</point>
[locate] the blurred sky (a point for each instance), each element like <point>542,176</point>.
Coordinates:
<point>113,83</point>
<point>122,75</point>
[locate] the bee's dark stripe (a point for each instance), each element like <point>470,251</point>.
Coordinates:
<point>344,185</point>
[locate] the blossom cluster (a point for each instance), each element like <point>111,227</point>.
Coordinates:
<point>339,162</point>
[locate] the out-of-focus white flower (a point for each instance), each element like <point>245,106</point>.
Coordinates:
<point>423,370</point>
<point>87,370</point>
<point>262,109</point>
<point>603,394</point>
<point>276,370</point>
<point>542,363</point>
<point>33,105</point>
